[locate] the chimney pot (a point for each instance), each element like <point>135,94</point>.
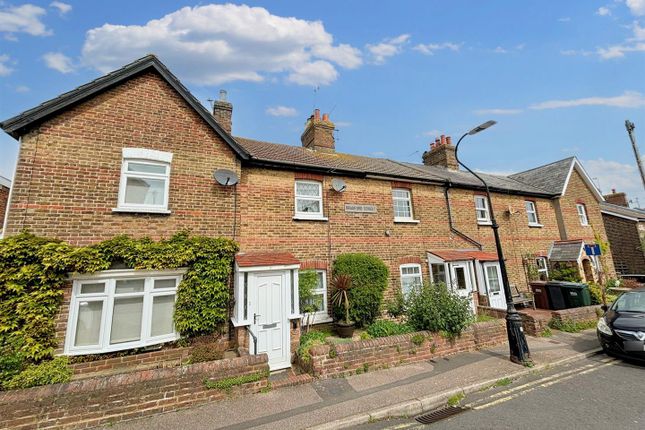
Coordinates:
<point>325,117</point>
<point>316,114</point>
<point>223,95</point>
<point>223,111</point>
<point>319,135</point>
<point>613,190</point>
<point>443,139</point>
<point>448,140</point>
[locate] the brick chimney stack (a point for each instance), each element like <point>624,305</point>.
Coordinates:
<point>441,154</point>
<point>223,112</point>
<point>615,198</point>
<point>319,133</point>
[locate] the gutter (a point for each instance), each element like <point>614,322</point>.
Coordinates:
<point>450,223</point>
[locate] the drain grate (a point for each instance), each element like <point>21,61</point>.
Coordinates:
<point>440,414</point>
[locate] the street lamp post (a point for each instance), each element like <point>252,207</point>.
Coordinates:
<point>519,348</point>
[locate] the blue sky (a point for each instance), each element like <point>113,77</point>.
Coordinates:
<point>559,77</point>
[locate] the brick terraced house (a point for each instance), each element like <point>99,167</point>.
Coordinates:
<point>625,228</point>
<point>134,152</point>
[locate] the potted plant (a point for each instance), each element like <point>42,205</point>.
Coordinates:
<point>341,285</point>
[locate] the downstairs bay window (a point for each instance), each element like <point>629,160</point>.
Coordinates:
<point>121,309</point>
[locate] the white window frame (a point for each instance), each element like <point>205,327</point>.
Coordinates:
<point>405,276</point>
<point>322,315</point>
<point>544,269</point>
<point>150,157</point>
<point>582,214</point>
<point>445,273</point>
<point>531,209</point>
<point>481,204</point>
<point>308,215</point>
<point>408,200</point>
<point>109,278</point>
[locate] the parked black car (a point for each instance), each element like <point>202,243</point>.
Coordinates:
<point>621,330</point>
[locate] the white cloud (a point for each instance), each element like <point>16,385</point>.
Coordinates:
<point>22,89</point>
<point>215,43</point>
<point>63,8</point>
<point>613,174</point>
<point>500,50</point>
<point>281,111</point>
<point>5,68</point>
<point>23,19</point>
<point>497,111</point>
<point>59,62</point>
<point>629,99</point>
<point>636,7</point>
<point>342,123</point>
<point>603,11</point>
<point>431,48</point>
<point>380,52</point>
<point>636,43</point>
<point>564,19</point>
<point>574,52</point>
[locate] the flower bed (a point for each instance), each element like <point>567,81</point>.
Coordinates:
<point>361,356</point>
<point>104,400</point>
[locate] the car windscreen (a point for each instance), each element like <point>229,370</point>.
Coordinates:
<point>633,301</point>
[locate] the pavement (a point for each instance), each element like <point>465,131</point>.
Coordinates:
<point>360,399</point>
<point>595,392</point>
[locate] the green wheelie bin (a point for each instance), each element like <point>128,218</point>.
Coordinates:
<point>575,294</point>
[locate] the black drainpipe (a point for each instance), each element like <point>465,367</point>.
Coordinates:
<point>452,228</point>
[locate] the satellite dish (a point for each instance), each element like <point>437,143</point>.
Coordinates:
<point>225,177</point>
<point>338,185</point>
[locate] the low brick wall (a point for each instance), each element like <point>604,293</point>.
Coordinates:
<point>104,400</point>
<point>347,358</point>
<point>148,360</point>
<point>586,313</point>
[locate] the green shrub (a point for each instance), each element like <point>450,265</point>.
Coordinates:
<point>418,339</point>
<point>564,273</point>
<point>571,326</point>
<point>52,371</point>
<point>395,307</point>
<point>308,340</point>
<point>435,308</point>
<point>384,328</point>
<point>12,362</point>
<point>307,283</point>
<point>595,291</point>
<point>369,280</point>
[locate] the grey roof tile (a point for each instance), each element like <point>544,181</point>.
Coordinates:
<point>550,177</point>
<point>566,250</point>
<point>622,210</point>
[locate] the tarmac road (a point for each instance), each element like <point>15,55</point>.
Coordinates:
<point>598,392</point>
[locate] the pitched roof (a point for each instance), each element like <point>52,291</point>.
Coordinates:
<point>622,211</point>
<point>550,177</point>
<point>258,259</point>
<point>336,162</point>
<point>566,250</point>
<point>5,182</point>
<point>464,255</point>
<point>17,125</point>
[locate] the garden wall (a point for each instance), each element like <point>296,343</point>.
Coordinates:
<point>104,400</point>
<point>586,313</point>
<point>359,356</point>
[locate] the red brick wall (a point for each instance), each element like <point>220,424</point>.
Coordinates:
<point>359,356</point>
<point>104,400</point>
<point>4,200</point>
<point>68,172</point>
<point>625,244</point>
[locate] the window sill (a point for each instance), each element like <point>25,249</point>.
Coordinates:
<point>306,218</point>
<point>406,221</point>
<point>536,225</point>
<point>319,319</point>
<point>142,211</point>
<point>484,223</point>
<point>125,346</point>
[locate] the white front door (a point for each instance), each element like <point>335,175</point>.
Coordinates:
<point>494,286</point>
<point>461,280</point>
<point>270,322</point>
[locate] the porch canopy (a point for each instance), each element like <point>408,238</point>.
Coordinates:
<point>265,259</point>
<point>566,250</point>
<point>464,255</point>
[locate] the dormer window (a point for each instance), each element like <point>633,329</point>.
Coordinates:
<point>145,181</point>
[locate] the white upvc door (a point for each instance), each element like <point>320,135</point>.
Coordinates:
<point>461,280</point>
<point>269,313</point>
<point>494,285</point>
